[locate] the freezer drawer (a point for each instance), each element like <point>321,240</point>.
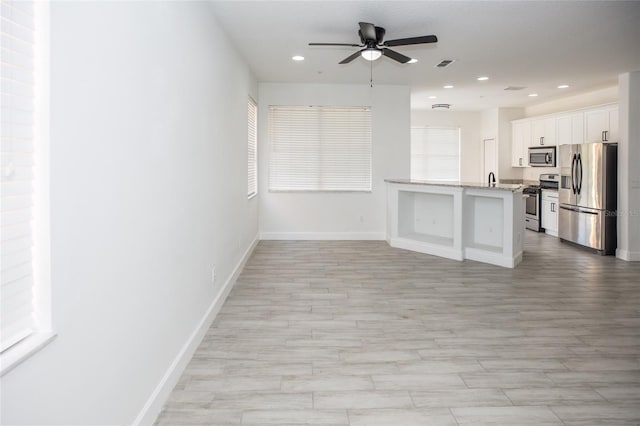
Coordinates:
<point>588,227</point>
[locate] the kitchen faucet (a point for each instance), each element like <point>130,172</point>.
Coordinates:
<point>492,178</point>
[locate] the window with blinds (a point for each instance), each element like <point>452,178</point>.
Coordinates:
<point>17,122</point>
<point>252,149</point>
<point>435,153</point>
<point>319,148</point>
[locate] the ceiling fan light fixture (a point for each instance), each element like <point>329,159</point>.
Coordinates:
<point>371,54</point>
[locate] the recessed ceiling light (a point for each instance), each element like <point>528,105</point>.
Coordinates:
<point>448,86</point>
<point>563,86</point>
<point>298,58</point>
<point>433,97</point>
<point>533,95</point>
<point>483,78</point>
<point>412,61</point>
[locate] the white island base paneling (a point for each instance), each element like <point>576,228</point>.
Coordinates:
<point>457,221</point>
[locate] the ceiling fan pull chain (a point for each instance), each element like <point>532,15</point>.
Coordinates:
<point>371,73</point>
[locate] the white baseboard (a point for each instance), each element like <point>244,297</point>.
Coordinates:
<point>629,256</point>
<point>352,236</point>
<point>156,401</point>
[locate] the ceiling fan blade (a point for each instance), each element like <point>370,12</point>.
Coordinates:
<point>411,40</point>
<point>335,44</point>
<point>350,58</point>
<point>368,31</point>
<point>396,56</point>
<point>380,32</point>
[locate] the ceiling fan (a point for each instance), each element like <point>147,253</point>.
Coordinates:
<point>371,38</point>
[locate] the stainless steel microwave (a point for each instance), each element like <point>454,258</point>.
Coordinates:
<point>542,156</point>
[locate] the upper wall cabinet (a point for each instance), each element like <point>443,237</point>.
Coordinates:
<point>598,124</point>
<point>544,132</point>
<point>570,129</point>
<point>520,142</point>
<point>601,125</point>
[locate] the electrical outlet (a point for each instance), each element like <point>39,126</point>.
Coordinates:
<point>213,274</point>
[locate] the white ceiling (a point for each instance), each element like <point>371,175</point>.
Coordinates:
<point>537,44</point>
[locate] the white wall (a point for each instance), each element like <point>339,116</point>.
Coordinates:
<point>148,192</point>
<point>595,97</point>
<point>470,124</point>
<point>505,116</point>
<point>628,170</point>
<point>333,215</point>
<point>496,123</point>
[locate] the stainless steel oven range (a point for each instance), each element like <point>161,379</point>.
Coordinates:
<point>533,205</point>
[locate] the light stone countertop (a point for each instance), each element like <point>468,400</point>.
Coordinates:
<point>475,185</point>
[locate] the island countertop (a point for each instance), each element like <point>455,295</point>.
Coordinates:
<point>474,185</point>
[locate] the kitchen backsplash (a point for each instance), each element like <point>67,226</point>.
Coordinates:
<point>533,173</point>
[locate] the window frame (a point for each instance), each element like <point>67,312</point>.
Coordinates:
<point>251,103</point>
<point>319,166</point>
<point>459,156</point>
<point>43,325</point>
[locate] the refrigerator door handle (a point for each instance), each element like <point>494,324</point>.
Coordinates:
<point>579,180</point>
<point>573,174</point>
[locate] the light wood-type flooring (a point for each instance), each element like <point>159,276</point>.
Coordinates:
<point>359,333</point>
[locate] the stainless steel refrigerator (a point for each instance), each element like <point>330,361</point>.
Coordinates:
<point>588,195</point>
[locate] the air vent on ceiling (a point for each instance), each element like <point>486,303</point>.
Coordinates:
<point>514,88</point>
<point>445,63</point>
<point>440,106</point>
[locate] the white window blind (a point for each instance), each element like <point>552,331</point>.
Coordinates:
<point>435,153</point>
<point>320,148</point>
<point>252,149</point>
<point>17,120</point>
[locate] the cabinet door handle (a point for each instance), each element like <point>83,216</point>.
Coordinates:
<point>521,161</point>
<point>553,207</point>
<point>541,140</point>
<point>606,136</point>
<point>603,137</point>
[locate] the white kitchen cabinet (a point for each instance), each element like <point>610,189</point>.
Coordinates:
<point>601,125</point>
<point>544,132</point>
<point>520,141</point>
<point>570,129</point>
<point>550,212</point>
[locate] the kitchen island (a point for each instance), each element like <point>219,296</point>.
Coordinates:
<point>482,222</point>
